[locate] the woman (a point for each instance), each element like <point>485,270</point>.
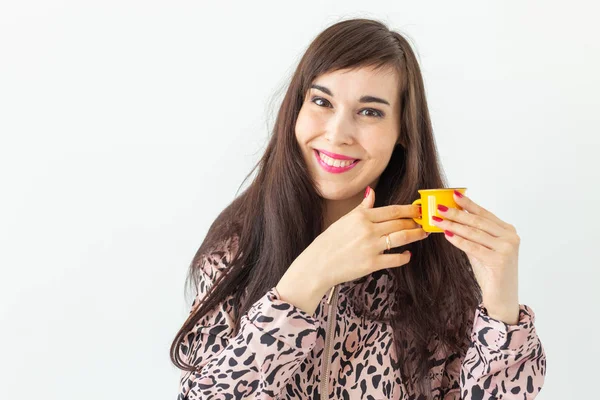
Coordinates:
<point>308,289</point>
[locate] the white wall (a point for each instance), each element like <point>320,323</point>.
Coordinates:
<point>126,126</point>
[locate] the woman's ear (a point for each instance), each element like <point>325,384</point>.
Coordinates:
<point>399,141</point>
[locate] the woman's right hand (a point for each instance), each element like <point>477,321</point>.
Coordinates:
<point>350,248</point>
<point>353,246</point>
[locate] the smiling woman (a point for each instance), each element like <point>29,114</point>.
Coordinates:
<point>344,117</point>
<point>306,288</point>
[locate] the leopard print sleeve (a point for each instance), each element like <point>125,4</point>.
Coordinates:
<point>273,340</point>
<point>503,361</point>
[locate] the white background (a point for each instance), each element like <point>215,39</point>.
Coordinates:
<point>127,126</point>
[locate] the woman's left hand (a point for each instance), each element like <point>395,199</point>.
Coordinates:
<point>492,246</point>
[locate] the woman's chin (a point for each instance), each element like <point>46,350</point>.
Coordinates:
<point>338,192</point>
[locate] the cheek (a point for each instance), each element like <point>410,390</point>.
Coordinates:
<point>308,125</point>
<point>377,142</point>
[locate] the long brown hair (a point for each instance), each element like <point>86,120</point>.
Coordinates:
<point>433,297</point>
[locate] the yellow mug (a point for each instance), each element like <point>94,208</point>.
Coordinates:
<point>430,198</point>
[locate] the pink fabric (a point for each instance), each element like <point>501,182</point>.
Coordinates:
<point>278,353</point>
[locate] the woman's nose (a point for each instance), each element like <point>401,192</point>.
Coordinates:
<point>341,127</point>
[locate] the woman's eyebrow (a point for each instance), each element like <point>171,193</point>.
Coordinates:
<point>363,99</point>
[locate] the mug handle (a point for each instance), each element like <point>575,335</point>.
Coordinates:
<point>418,220</point>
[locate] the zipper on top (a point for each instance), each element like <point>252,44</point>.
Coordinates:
<point>329,331</point>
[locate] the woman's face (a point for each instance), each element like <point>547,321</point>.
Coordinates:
<point>355,114</point>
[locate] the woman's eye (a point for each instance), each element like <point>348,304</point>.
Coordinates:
<point>377,113</point>
<point>315,99</point>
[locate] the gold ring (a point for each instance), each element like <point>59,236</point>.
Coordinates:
<point>388,242</point>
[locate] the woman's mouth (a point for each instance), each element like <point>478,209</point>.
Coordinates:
<point>323,161</point>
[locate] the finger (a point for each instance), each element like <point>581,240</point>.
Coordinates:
<point>477,235</point>
<point>369,199</point>
<point>400,238</point>
<point>454,217</point>
<point>392,260</point>
<point>471,248</point>
<point>394,211</point>
<point>394,225</point>
<point>473,208</point>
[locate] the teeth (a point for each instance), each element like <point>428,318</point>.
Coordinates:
<point>335,163</point>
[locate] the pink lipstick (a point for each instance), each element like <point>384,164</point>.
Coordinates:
<point>331,168</point>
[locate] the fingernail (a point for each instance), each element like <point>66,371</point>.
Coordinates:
<point>449,233</point>
<point>442,208</point>
<point>367,191</point>
<point>436,218</point>
<point>457,193</point>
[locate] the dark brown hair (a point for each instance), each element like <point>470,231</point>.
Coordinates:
<point>434,297</point>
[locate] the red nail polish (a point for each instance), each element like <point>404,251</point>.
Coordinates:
<point>457,193</point>
<point>449,233</point>
<point>367,191</point>
<point>436,218</point>
<point>442,208</point>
